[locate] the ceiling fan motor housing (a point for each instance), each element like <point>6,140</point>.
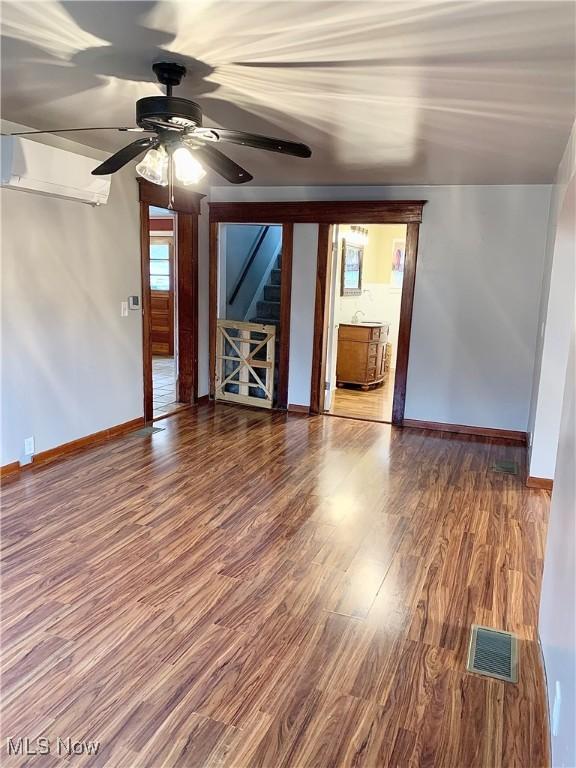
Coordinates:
<point>157,112</point>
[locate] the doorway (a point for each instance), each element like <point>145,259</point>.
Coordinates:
<point>169,261</point>
<point>250,292</point>
<point>162,308</point>
<point>364,319</point>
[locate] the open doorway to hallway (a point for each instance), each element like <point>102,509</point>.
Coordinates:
<point>163,311</point>
<point>364,319</point>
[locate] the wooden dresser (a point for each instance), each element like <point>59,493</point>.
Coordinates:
<point>361,354</point>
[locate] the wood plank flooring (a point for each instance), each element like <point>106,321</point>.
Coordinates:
<point>254,589</point>
<point>374,404</point>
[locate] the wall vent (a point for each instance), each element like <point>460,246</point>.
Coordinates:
<point>146,431</point>
<point>494,653</point>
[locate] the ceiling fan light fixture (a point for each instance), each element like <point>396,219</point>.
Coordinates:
<point>154,166</point>
<point>186,168</point>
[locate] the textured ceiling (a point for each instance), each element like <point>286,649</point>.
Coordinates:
<point>383,92</point>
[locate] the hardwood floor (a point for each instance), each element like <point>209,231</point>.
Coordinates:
<point>254,589</point>
<point>374,404</point>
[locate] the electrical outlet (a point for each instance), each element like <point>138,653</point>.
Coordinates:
<point>29,446</point>
<point>123,309</point>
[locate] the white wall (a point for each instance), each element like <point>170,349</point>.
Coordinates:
<point>478,284</point>
<point>558,600</point>
<point>554,456</point>
<point>553,323</point>
<point>71,364</point>
<point>304,259</point>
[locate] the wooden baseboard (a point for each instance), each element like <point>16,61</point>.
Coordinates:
<point>462,429</point>
<point>9,469</point>
<point>301,409</point>
<point>203,400</point>
<point>540,482</point>
<point>60,451</point>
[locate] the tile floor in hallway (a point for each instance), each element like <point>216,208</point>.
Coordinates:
<point>164,385</point>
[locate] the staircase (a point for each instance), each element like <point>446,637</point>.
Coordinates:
<point>268,308</point>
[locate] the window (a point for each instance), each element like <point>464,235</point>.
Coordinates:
<point>160,264</point>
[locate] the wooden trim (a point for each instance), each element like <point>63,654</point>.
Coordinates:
<point>320,212</point>
<point>187,306</point>
<point>405,324</point>
<point>203,400</point>
<point>146,310</point>
<point>285,309</point>
<point>186,200</point>
<point>85,442</point>
<point>320,338</point>
<point>540,482</point>
<point>302,410</point>
<point>9,469</point>
<point>64,450</point>
<point>162,225</point>
<point>463,429</point>
<point>212,305</point>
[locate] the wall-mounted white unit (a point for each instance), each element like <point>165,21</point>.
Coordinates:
<point>33,167</point>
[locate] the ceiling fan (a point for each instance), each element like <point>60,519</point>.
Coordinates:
<point>180,145</point>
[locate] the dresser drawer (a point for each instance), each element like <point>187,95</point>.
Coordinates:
<point>354,332</point>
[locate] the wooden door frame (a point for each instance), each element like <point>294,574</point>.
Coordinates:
<point>187,208</point>
<point>407,212</point>
<point>233,213</point>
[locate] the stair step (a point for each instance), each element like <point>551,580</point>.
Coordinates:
<point>275,276</point>
<point>268,309</point>
<point>272,292</point>
<point>266,321</point>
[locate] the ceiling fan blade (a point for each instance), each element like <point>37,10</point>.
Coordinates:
<point>227,168</point>
<point>268,143</point>
<point>76,130</point>
<point>342,64</point>
<point>124,155</point>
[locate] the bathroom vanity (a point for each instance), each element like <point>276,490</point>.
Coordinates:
<point>361,354</point>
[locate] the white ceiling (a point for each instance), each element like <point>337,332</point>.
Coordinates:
<point>383,92</point>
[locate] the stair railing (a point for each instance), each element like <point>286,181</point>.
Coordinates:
<point>248,263</point>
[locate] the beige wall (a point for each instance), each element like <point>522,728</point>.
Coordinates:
<point>377,264</point>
